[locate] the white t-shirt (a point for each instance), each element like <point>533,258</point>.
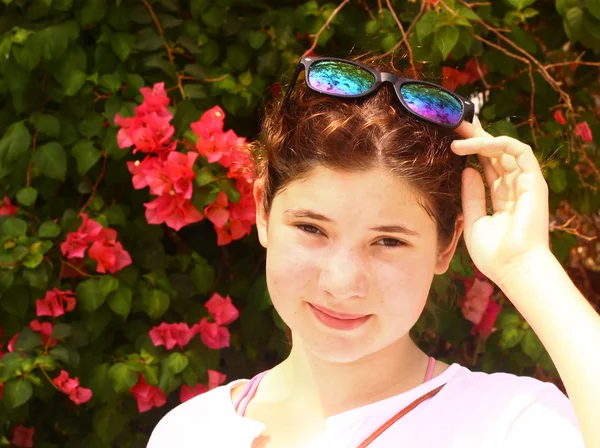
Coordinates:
<point>473,410</point>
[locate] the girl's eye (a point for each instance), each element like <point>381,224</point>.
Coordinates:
<point>307,228</point>
<point>390,242</point>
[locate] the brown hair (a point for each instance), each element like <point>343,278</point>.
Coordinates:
<point>317,130</point>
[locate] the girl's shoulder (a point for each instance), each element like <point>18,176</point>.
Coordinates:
<point>197,417</point>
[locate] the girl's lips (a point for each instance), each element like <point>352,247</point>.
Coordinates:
<point>338,321</point>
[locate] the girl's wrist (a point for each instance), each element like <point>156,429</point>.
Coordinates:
<point>526,268</point>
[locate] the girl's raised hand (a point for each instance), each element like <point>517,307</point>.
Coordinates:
<point>518,228</point>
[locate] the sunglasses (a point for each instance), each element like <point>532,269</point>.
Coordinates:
<point>346,79</point>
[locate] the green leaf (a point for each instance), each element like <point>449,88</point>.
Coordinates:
<point>176,362</point>
<point>60,353</point>
<point>16,392</point>
<point>32,260</point>
<point>510,338</point>
<point>109,423</point>
<point>156,303</point>
<point>47,124</point>
<point>112,83</point>
<point>15,300</point>
<point>71,79</point>
<point>29,54</point>
<point>92,293</point>
<point>593,6</point>
<point>521,4</point>
<point>61,331</point>
<point>203,276</point>
<point>426,24</point>
<point>115,215</point>
<point>557,180</point>
<point>26,196</point>
<point>531,345</point>
<point>122,377</point>
<point>256,39</point>
<point>215,16</point>
<point>92,12</point>
<point>573,24</point>
<point>91,125</point>
<point>14,144</point>
<point>120,301</point>
<point>6,279</point>
<point>14,227</point>
<point>36,277</point>
<point>122,44</point>
<point>49,229</point>
<point>194,91</point>
<point>86,155</point>
<point>51,159</point>
<point>205,176</point>
<point>28,340</point>
<point>445,39</point>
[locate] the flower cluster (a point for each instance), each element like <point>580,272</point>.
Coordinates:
<point>582,130</point>
<point>55,303</point>
<point>477,306</point>
<point>147,396</point>
<point>231,220</point>
<point>70,386</point>
<point>474,71</point>
<point>215,379</point>
<point>165,171</point>
<point>23,437</point>
<point>102,244</point>
<point>7,208</point>
<point>212,334</point>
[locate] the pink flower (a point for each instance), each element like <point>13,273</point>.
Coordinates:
<point>45,330</point>
<point>476,300</point>
<point>220,147</point>
<point>8,208</point>
<point>212,334</point>
<point>70,386</point>
<point>559,117</point>
<point>54,302</point>
<point>170,335</point>
<point>217,212</point>
<point>176,212</point>
<point>23,437</point>
<point>11,344</point>
<point>142,170</point>
<point>155,101</point>
<point>583,130</point>
<point>77,242</point>
<point>221,309</point>
<point>215,379</point>
<point>187,393</point>
<point>486,324</point>
<point>147,396</point>
<point>174,174</point>
<point>211,122</point>
<point>109,254</point>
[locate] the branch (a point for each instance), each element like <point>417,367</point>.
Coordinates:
<point>404,38</point>
<point>95,187</point>
<point>33,144</point>
<point>161,33</point>
<point>325,25</point>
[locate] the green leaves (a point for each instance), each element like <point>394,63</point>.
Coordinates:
<point>27,196</point>
<point>13,145</point>
<point>49,229</point>
<point>92,293</point>
<point>14,227</point>
<point>445,40</point>
<point>47,124</point>
<point>120,301</point>
<point>156,302</point>
<point>91,12</point>
<point>16,392</point>
<point>51,159</point>
<point>176,362</point>
<point>86,156</point>
<point>123,377</point>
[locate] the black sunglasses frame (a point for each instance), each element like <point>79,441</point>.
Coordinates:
<point>468,108</point>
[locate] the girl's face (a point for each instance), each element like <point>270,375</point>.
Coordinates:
<point>350,260</point>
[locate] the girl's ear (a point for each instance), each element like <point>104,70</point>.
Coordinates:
<point>261,216</point>
<point>444,257</point>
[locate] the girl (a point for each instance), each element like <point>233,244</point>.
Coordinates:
<point>358,196</point>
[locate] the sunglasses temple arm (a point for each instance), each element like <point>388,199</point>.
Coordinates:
<point>469,112</point>
<point>288,92</point>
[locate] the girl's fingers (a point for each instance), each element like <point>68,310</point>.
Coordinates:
<point>473,197</point>
<point>496,148</point>
<point>469,130</point>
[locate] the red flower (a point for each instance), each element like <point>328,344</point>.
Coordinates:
<point>476,300</point>
<point>486,324</point>
<point>155,101</point>
<point>583,130</point>
<point>174,211</point>
<point>70,386</point>
<point>212,334</point>
<point>11,344</point>
<point>217,212</point>
<point>211,122</point>
<point>187,393</point>
<point>108,253</point>
<point>475,69</point>
<point>54,303</point>
<point>170,335</point>
<point>452,78</point>
<point>45,330</point>
<point>77,242</point>
<point>559,117</point>
<point>174,174</point>
<point>147,396</point>
<point>141,171</point>
<point>221,309</point>
<point>215,379</point>
<point>8,208</point>
<point>23,437</point>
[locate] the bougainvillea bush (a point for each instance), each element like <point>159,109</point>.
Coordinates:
<point>131,278</point>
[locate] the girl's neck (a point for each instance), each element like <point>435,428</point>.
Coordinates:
<point>304,380</point>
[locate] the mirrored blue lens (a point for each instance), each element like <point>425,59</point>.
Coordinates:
<point>432,102</point>
<point>339,78</point>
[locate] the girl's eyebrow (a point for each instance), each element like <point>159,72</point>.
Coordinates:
<point>305,213</point>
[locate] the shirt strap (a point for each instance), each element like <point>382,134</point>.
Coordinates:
<point>399,415</point>
<point>248,393</point>
<point>430,368</point>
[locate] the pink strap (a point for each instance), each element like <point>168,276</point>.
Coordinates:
<point>248,393</point>
<point>250,388</point>
<point>430,368</point>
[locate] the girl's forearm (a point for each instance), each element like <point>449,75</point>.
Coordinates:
<point>569,328</point>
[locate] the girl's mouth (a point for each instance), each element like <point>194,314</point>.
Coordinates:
<point>336,320</point>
